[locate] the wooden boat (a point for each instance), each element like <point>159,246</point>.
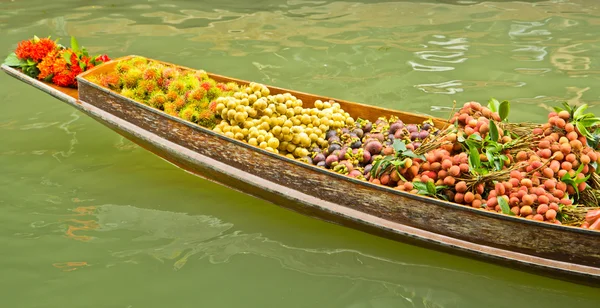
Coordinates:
<point>562,252</point>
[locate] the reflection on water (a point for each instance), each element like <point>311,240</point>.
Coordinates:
<point>181,238</point>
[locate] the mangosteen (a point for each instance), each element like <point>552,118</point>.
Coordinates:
<point>343,152</point>
<point>354,173</point>
<point>331,159</point>
<point>374,147</point>
<point>358,132</point>
<point>333,147</point>
<point>345,131</point>
<point>333,139</point>
<point>321,164</point>
<point>423,134</point>
<point>316,150</point>
<point>366,157</point>
<point>368,127</point>
<point>398,134</point>
<point>416,144</point>
<point>412,128</point>
<point>319,158</point>
<point>368,168</point>
<point>378,136</point>
<point>390,137</point>
<point>396,126</point>
<point>330,133</point>
<point>426,126</point>
<point>356,144</point>
<point>414,135</point>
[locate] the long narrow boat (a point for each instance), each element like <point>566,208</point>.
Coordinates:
<point>558,251</point>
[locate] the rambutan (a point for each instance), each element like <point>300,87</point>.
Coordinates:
<point>148,85</point>
<point>170,73</point>
<point>206,85</point>
<point>213,93</point>
<point>206,118</point>
<point>170,108</point>
<point>232,86</point>
<point>187,113</point>
<point>110,80</point>
<point>132,77</point>
<point>197,94</point>
<point>140,94</point>
<point>172,96</point>
<point>191,82</point>
<point>157,99</point>
<point>123,67</point>
<point>177,86</point>
<point>201,75</point>
<point>179,103</point>
<point>138,62</point>
<point>127,92</point>
<point>213,106</point>
<point>151,73</point>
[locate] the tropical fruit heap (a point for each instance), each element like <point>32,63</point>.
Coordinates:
<point>47,60</point>
<point>545,172</point>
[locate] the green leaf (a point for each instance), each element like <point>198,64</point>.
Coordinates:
<point>431,188</point>
<point>504,206</point>
<point>67,56</point>
<point>14,61</point>
<point>420,185</point>
<point>493,104</point>
<point>503,110</point>
<point>493,131</point>
<point>474,158</point>
<point>557,109</point>
<point>583,130</point>
<point>579,111</point>
<point>82,66</point>
<point>399,146</point>
<point>74,44</point>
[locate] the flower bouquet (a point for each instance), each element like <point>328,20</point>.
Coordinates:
<point>47,60</point>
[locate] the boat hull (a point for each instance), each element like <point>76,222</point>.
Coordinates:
<point>559,251</point>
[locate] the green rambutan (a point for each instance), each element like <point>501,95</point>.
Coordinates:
<point>131,78</point>
<point>187,113</point>
<point>151,73</point>
<point>177,86</point>
<point>172,96</point>
<point>138,62</point>
<point>179,103</point>
<point>148,85</point>
<point>201,75</point>
<point>203,104</point>
<point>170,108</point>
<point>157,99</point>
<point>206,118</point>
<point>213,93</point>
<point>123,67</point>
<point>197,94</point>
<point>232,86</point>
<point>140,94</point>
<point>191,82</point>
<point>127,92</point>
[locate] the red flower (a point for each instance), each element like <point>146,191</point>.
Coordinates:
<point>63,80</point>
<point>103,58</point>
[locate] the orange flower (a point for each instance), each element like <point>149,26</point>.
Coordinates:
<point>35,50</point>
<point>46,67</point>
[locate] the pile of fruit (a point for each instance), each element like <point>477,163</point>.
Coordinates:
<point>544,172</point>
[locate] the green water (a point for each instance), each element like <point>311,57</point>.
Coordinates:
<point>91,220</point>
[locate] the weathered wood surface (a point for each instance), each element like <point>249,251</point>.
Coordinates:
<point>317,192</point>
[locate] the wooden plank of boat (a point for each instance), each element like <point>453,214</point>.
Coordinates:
<point>559,251</point>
